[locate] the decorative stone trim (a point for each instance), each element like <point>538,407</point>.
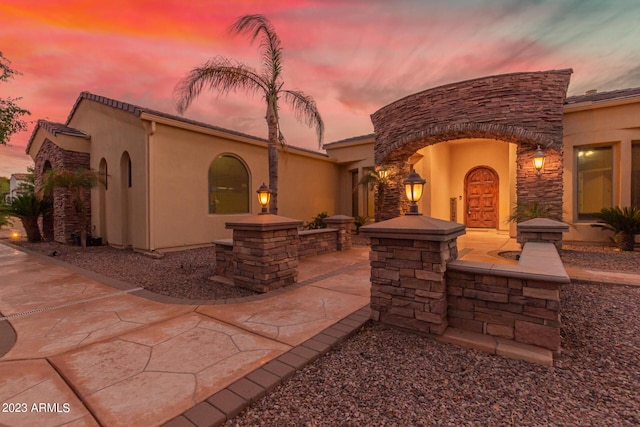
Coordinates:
<point>344,225</point>
<point>541,230</point>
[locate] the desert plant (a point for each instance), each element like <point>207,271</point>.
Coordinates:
<point>360,221</point>
<point>524,211</point>
<point>77,182</point>
<point>225,75</point>
<point>28,207</point>
<point>372,179</point>
<point>624,222</point>
<point>317,222</point>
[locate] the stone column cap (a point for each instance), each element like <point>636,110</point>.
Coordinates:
<point>339,219</point>
<point>543,225</point>
<point>265,222</point>
<point>414,227</point>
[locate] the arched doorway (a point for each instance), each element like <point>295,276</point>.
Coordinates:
<point>525,109</point>
<point>48,218</point>
<point>103,187</point>
<point>125,190</point>
<point>481,186</point>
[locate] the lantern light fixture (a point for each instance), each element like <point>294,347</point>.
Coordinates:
<point>538,160</point>
<point>383,173</point>
<point>413,187</point>
<point>264,197</point>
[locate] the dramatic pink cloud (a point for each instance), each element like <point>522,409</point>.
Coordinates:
<point>352,56</point>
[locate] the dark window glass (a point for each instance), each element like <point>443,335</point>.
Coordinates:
<point>595,180</point>
<point>228,186</point>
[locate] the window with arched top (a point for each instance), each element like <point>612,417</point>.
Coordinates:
<point>228,186</point>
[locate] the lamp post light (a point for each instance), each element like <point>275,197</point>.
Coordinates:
<point>538,160</point>
<point>383,173</point>
<point>264,196</point>
<point>413,186</point>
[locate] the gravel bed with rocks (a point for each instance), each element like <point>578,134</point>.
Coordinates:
<point>388,377</point>
<point>181,274</point>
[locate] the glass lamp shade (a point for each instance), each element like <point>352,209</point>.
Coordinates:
<point>264,196</point>
<point>383,173</point>
<point>538,160</point>
<point>413,186</point>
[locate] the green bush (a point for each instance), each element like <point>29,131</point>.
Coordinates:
<point>317,222</point>
<point>624,222</point>
<point>360,221</point>
<point>525,211</point>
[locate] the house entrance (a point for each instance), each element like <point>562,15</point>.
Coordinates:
<point>481,198</point>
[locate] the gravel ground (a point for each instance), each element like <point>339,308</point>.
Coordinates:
<point>387,377</point>
<point>182,274</point>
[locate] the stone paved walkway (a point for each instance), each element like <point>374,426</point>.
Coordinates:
<point>90,351</point>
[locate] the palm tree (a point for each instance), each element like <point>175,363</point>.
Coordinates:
<point>28,207</point>
<point>77,182</point>
<point>226,75</point>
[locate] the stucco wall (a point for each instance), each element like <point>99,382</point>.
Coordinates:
<point>615,124</point>
<point>112,133</point>
<point>180,164</point>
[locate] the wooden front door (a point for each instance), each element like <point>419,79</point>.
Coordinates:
<point>481,198</point>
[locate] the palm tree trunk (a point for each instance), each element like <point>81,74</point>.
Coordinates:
<point>627,241</point>
<point>32,229</point>
<point>272,123</point>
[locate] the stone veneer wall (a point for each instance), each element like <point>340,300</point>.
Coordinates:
<point>524,310</point>
<point>547,188</point>
<point>64,218</point>
<point>265,260</point>
<point>408,287</point>
<point>316,242</point>
<point>523,108</point>
<point>224,258</point>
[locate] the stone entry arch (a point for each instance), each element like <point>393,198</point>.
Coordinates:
<point>522,108</point>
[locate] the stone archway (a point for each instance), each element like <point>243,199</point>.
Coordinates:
<point>522,108</point>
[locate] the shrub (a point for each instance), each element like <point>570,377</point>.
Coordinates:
<point>625,224</point>
<point>524,211</point>
<point>360,221</point>
<point>317,222</point>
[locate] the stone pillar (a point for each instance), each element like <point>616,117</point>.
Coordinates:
<point>265,251</point>
<point>224,257</point>
<point>343,224</point>
<point>541,230</point>
<point>391,199</point>
<point>409,256</point>
<point>546,189</point>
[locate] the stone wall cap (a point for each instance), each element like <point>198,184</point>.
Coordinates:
<point>418,227</point>
<point>544,225</point>
<point>509,270</point>
<point>264,222</point>
<point>318,231</point>
<point>338,219</point>
<point>223,242</point>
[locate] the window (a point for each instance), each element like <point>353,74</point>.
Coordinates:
<point>595,180</point>
<point>129,169</point>
<point>635,175</point>
<point>228,186</point>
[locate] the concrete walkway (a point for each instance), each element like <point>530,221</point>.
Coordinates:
<point>88,353</point>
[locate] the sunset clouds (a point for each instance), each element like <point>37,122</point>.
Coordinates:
<point>352,56</point>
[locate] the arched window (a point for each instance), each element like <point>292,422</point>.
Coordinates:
<point>228,186</point>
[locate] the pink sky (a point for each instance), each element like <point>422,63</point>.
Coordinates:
<point>352,56</point>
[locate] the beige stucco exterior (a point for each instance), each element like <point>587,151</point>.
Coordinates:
<point>166,206</point>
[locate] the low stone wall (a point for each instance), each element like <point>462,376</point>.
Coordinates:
<point>316,242</point>
<point>224,257</point>
<point>521,303</point>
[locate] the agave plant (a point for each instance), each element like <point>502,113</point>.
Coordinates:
<point>28,207</point>
<point>624,222</point>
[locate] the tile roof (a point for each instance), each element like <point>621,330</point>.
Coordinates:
<point>604,96</point>
<point>20,176</point>
<point>55,129</point>
<point>352,139</point>
<point>137,110</point>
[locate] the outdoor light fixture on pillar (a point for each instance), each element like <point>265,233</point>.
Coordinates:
<point>413,186</point>
<point>264,196</point>
<point>538,160</point>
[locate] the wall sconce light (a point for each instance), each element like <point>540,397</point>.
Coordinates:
<point>413,186</point>
<point>264,196</point>
<point>538,160</point>
<point>383,173</point>
<point>15,235</point>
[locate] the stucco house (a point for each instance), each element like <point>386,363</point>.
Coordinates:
<point>16,183</point>
<point>173,182</point>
